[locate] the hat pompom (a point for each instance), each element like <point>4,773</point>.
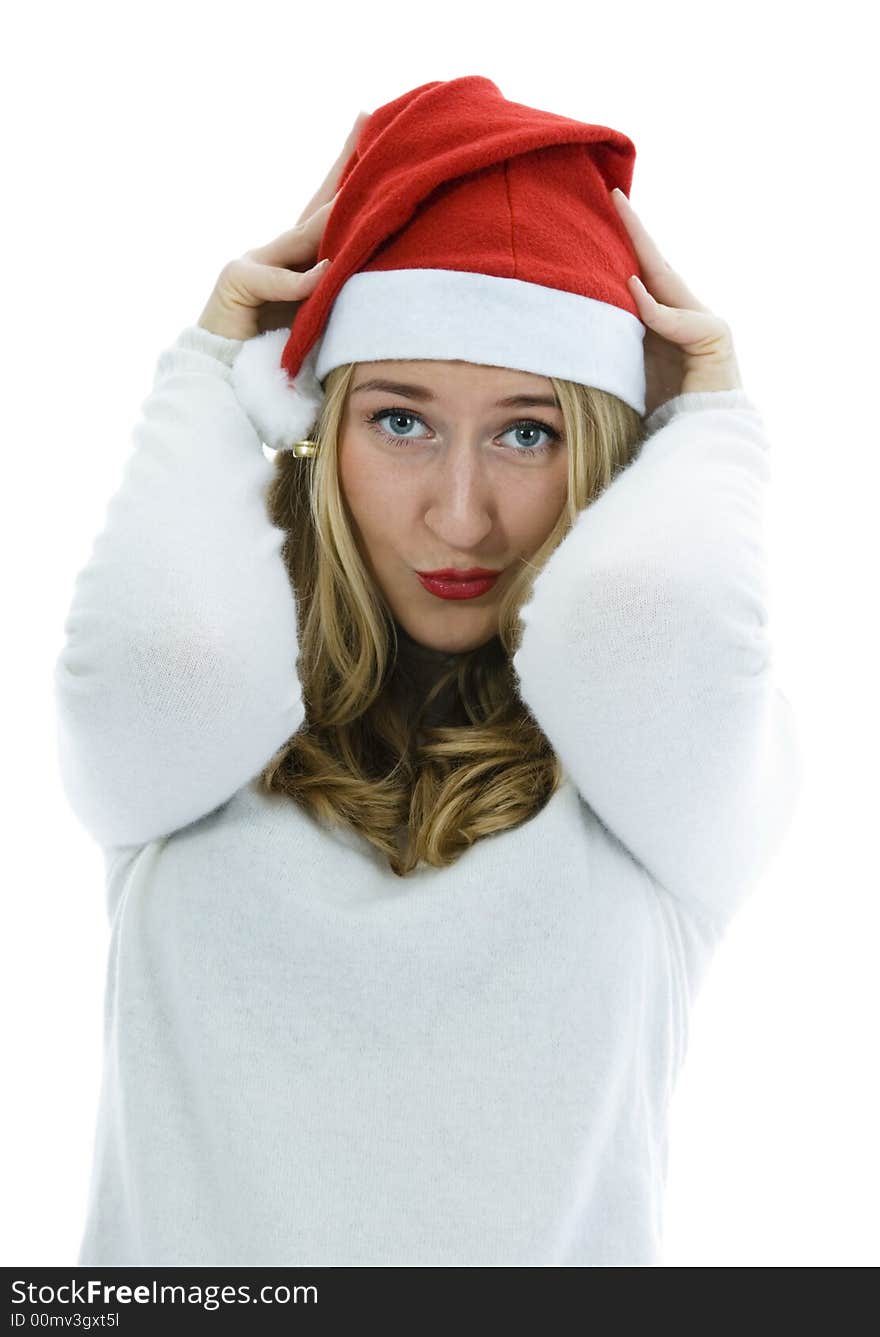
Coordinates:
<point>282,410</point>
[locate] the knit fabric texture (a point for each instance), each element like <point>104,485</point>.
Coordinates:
<point>309,1061</point>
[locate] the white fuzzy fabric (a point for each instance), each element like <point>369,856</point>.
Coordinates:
<point>451,314</point>
<point>312,1063</point>
<point>283,411</point>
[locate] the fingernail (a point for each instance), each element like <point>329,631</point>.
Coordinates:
<point>634,278</point>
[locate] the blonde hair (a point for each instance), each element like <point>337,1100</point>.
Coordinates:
<point>365,756</point>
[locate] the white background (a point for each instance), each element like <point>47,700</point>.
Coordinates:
<point>145,146</point>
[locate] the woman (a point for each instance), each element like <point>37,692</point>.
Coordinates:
<point>412,879</point>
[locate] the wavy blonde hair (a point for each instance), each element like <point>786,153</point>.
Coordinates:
<point>367,755</point>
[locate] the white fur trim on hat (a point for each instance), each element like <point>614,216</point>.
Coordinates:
<point>283,411</point>
<point>455,314</point>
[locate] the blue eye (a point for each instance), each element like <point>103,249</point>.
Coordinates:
<point>393,413</point>
<point>523,425</point>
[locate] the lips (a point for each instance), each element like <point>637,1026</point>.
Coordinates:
<point>452,584</point>
<point>451,573</point>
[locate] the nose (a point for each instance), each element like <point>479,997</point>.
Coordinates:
<point>460,507</point>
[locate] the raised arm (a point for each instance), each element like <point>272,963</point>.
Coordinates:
<point>177,678</point>
<point>646,656</point>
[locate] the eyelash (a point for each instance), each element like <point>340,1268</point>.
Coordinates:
<point>555,436</point>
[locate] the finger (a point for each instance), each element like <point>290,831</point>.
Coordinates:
<point>663,281</point>
<point>693,331</point>
<point>327,188</point>
<point>296,246</point>
<point>270,283</point>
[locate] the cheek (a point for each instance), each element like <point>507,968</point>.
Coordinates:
<point>353,476</point>
<point>532,512</point>
<point>370,484</point>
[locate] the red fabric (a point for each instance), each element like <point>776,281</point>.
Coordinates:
<point>451,175</point>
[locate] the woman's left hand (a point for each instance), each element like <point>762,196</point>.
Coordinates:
<point>687,347</point>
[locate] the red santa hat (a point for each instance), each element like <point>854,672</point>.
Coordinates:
<point>466,227</point>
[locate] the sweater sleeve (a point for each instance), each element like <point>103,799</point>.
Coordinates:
<point>647,662</point>
<point>177,681</point>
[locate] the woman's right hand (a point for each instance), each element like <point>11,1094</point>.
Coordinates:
<point>262,289</point>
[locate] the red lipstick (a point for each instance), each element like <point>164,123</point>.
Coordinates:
<point>450,583</point>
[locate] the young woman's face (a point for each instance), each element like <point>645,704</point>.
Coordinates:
<point>438,472</point>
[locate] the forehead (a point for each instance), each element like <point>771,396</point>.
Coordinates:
<point>433,378</point>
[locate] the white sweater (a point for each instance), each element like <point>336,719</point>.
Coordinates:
<point>309,1061</point>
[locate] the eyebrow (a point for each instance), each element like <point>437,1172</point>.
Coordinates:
<point>423,393</point>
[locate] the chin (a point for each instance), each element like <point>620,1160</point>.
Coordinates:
<point>448,639</point>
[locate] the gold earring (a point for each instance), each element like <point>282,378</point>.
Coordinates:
<point>304,449</point>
